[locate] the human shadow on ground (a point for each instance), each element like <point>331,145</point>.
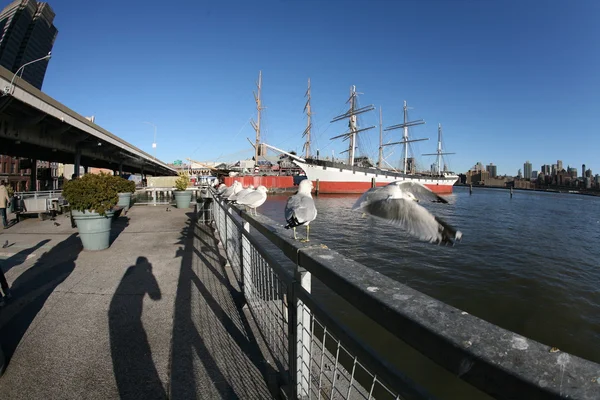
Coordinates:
<point>133,366</point>
<point>33,287</point>
<point>20,257</point>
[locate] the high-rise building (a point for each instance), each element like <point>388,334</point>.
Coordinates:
<point>26,34</point>
<point>583,170</point>
<point>534,175</point>
<point>546,169</point>
<point>492,170</point>
<point>559,166</point>
<point>527,170</point>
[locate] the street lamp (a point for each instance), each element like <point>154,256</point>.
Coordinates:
<point>153,143</point>
<point>8,88</point>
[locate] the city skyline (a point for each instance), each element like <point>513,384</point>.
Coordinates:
<point>551,168</point>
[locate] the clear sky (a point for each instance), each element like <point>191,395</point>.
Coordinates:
<point>509,81</point>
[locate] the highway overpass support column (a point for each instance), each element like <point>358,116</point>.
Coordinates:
<point>77,162</point>
<point>33,184</point>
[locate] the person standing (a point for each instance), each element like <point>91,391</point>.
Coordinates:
<point>4,202</point>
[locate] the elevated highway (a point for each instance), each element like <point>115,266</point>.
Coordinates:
<point>34,125</point>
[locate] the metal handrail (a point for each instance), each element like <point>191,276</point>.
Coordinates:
<point>495,360</point>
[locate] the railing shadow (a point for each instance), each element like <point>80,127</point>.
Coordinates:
<point>209,326</point>
<point>133,366</point>
<point>33,287</point>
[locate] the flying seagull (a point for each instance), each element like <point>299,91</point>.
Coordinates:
<point>254,199</point>
<point>300,208</point>
<point>397,202</point>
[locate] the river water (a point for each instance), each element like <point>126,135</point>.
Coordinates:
<point>530,264</point>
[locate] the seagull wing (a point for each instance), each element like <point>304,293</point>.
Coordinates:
<point>377,194</point>
<point>300,209</point>
<point>409,215</point>
<point>253,199</point>
<point>420,191</point>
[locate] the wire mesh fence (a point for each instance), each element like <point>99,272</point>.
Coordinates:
<point>316,356</point>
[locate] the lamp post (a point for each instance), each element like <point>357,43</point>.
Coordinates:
<point>8,88</point>
<point>154,142</point>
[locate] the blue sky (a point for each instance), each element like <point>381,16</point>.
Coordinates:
<point>509,81</point>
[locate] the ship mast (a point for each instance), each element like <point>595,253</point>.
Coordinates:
<point>256,125</point>
<point>352,113</point>
<point>308,112</point>
<point>380,159</point>
<point>405,141</point>
<point>439,153</point>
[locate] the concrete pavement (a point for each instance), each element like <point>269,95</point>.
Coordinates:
<point>155,316</point>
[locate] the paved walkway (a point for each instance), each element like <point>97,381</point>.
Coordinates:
<point>155,316</point>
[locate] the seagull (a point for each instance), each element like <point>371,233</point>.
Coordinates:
<point>397,202</point>
<point>300,208</point>
<point>254,199</point>
<point>236,187</point>
<point>236,196</point>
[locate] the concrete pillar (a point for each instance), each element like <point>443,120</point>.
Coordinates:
<point>77,161</point>
<point>121,169</point>
<point>33,184</point>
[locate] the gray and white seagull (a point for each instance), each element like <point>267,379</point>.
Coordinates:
<point>397,202</point>
<point>300,208</point>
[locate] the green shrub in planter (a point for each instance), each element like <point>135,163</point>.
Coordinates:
<point>183,197</point>
<point>182,182</point>
<point>92,192</point>
<point>123,185</point>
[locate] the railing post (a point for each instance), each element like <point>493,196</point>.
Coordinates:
<point>245,260</point>
<point>303,335</point>
<point>292,321</point>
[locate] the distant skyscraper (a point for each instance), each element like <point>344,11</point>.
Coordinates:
<point>559,166</point>
<point>492,170</point>
<point>547,169</point>
<point>534,175</point>
<point>26,34</point>
<point>527,170</point>
<point>583,170</point>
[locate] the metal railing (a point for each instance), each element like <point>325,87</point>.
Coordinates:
<point>316,356</point>
<point>39,201</point>
<point>160,196</point>
<point>319,357</point>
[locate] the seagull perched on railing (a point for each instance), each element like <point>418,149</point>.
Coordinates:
<point>234,188</point>
<point>300,208</point>
<point>221,188</point>
<point>254,199</point>
<point>236,196</point>
<point>397,202</point>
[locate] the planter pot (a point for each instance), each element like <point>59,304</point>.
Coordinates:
<point>94,229</point>
<point>124,200</point>
<point>183,199</point>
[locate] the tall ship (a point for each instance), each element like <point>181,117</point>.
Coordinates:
<point>357,175</point>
